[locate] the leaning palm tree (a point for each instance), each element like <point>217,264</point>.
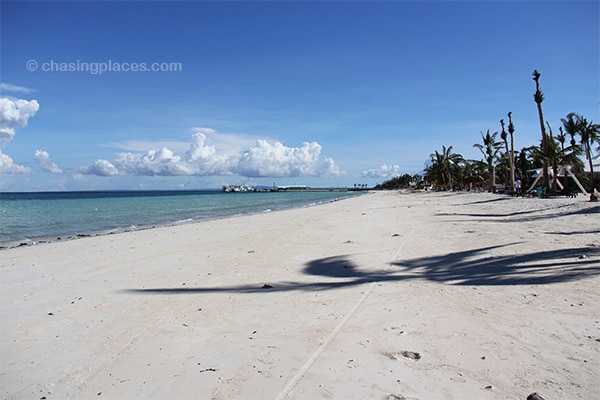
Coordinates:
<point>490,149</point>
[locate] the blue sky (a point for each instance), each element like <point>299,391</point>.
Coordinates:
<point>317,93</point>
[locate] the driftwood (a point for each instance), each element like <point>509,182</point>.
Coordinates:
<point>535,396</point>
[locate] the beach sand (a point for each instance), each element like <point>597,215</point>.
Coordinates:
<point>388,295</point>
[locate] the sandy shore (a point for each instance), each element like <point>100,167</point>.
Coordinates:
<point>384,296</point>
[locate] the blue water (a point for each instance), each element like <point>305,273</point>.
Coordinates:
<point>50,215</point>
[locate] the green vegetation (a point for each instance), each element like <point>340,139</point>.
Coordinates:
<point>400,182</point>
<point>501,165</point>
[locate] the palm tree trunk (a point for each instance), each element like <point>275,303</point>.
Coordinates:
<point>511,130</point>
<point>503,136</point>
<point>588,155</point>
<point>539,97</point>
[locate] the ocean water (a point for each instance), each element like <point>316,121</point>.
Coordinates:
<point>27,217</point>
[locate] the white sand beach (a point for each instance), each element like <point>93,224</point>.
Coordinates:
<point>389,295</point>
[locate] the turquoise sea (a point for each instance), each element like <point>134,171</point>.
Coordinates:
<point>29,217</point>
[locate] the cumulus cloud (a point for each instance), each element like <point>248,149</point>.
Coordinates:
<point>161,162</point>
<point>100,168</point>
<point>7,166</point>
<point>263,159</point>
<point>205,159</point>
<point>45,162</point>
<point>276,160</point>
<point>384,171</point>
<point>232,144</point>
<point>14,114</point>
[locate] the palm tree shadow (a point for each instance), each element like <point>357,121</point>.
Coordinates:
<point>470,267</point>
<point>476,267</point>
<point>530,215</point>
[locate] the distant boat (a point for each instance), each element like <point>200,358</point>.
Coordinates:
<point>237,188</point>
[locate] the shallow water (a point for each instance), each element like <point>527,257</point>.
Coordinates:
<point>30,216</point>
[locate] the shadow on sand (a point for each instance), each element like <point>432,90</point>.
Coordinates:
<point>530,215</point>
<point>471,267</point>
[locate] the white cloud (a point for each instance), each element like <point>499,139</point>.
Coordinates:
<point>144,145</point>
<point>8,87</point>
<point>205,159</point>
<point>45,162</point>
<point>231,144</point>
<point>14,114</point>
<point>100,168</point>
<point>262,159</point>
<point>155,162</point>
<point>384,171</point>
<point>7,166</point>
<point>276,160</point>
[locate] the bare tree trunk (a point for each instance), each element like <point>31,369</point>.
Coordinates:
<point>539,97</point>
<point>503,136</point>
<point>511,130</point>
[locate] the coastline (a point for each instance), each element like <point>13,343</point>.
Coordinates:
<point>413,295</point>
<point>73,234</point>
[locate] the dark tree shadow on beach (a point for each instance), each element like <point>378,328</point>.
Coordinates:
<point>470,267</point>
<point>474,267</point>
<point>528,215</point>
<point>489,200</point>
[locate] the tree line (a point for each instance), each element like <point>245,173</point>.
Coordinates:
<point>502,165</point>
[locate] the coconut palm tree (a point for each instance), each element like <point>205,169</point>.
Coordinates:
<point>562,138</point>
<point>511,130</point>
<point>490,149</point>
<point>539,98</point>
<point>445,167</point>
<point>554,156</point>
<point>571,125</point>
<point>474,174</point>
<point>589,134</point>
<point>524,162</point>
<point>504,138</point>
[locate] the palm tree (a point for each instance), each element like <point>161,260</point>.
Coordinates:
<point>490,149</point>
<point>474,173</point>
<point>444,168</point>
<point>539,97</point>
<point>524,162</point>
<point>588,132</point>
<point>511,130</point>
<point>571,126</point>
<point>504,137</point>
<point>562,138</point>
<point>554,156</point>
